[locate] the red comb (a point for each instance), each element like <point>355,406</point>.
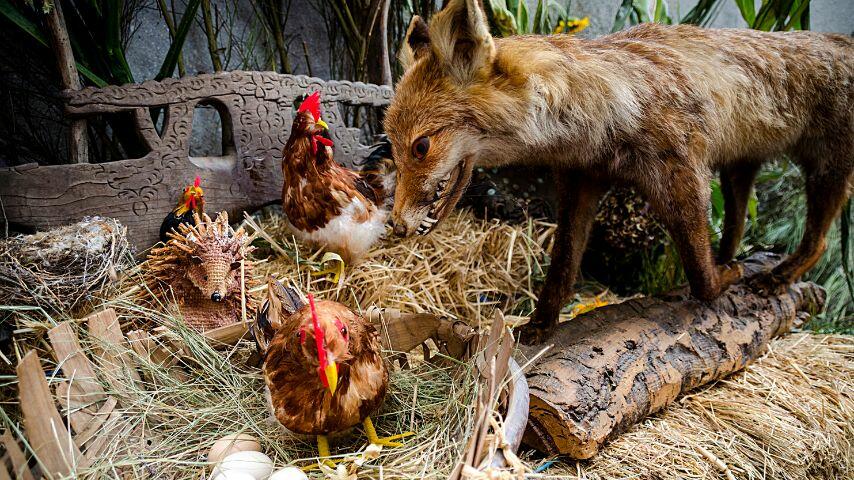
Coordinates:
<point>197,182</point>
<point>312,104</point>
<point>318,341</point>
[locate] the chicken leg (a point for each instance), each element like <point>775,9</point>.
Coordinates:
<point>371,432</point>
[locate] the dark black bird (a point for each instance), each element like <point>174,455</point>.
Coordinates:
<point>192,201</point>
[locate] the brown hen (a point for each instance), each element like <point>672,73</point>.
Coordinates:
<point>325,203</point>
<point>322,366</point>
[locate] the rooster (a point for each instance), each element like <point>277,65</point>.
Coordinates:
<point>322,366</point>
<point>192,202</point>
<point>326,204</point>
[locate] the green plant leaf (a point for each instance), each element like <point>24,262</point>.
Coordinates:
<point>539,26</point>
<point>522,17</point>
<point>171,59</point>
<point>747,9</point>
<point>115,52</point>
<point>626,8</point>
<point>717,199</point>
<point>753,207</point>
<point>13,15</point>
<point>661,14</point>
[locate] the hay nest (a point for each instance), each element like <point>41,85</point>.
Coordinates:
<point>462,271</point>
<point>64,269</point>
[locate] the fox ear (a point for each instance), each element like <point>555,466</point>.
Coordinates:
<point>416,43</point>
<point>459,35</point>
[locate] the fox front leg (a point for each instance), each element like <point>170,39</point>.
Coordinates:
<point>578,195</point>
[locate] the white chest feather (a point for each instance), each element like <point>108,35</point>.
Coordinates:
<point>349,234</point>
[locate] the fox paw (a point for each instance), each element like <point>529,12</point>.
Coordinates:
<point>729,274</point>
<point>767,284</point>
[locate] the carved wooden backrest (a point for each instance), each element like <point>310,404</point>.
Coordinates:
<point>256,110</point>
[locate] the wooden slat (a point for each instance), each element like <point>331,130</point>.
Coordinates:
<point>74,363</point>
<point>159,349</point>
<point>19,460</point>
<point>82,387</point>
<point>4,475</point>
<point>46,433</point>
<point>111,349</point>
<point>97,421</point>
<point>73,407</point>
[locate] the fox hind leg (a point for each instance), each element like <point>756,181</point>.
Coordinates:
<point>736,184</point>
<point>826,191</point>
<point>579,196</point>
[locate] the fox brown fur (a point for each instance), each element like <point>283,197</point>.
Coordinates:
<point>657,107</point>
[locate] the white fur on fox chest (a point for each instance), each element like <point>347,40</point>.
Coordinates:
<point>346,235</point>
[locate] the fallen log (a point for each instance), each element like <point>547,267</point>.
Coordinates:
<point>612,367</point>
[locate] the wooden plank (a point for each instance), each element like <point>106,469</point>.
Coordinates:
<point>159,351</point>
<point>19,461</point>
<point>4,475</point>
<point>73,408</point>
<point>111,349</point>
<point>76,367</point>
<point>140,192</point>
<point>97,422</point>
<point>46,433</point>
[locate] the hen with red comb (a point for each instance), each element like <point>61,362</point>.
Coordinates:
<point>192,201</point>
<point>328,205</point>
<point>322,365</point>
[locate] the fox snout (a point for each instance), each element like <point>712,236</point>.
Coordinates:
<point>399,229</point>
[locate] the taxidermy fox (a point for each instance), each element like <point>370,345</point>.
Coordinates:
<point>656,107</point>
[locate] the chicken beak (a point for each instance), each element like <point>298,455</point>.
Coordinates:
<point>322,124</point>
<point>331,375</point>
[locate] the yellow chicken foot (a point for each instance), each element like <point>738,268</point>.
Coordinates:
<point>323,451</point>
<point>371,432</point>
<point>331,263</point>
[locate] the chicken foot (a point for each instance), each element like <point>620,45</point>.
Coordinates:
<point>371,432</point>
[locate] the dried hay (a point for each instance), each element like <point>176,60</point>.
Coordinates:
<point>463,270</point>
<point>787,416</point>
<point>63,269</point>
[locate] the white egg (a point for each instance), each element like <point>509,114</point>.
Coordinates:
<point>289,473</point>
<point>238,442</point>
<point>254,463</point>
<point>233,475</point>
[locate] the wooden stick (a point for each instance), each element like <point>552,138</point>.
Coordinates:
<point>111,349</point>
<point>46,432</point>
<point>19,461</point>
<point>78,142</point>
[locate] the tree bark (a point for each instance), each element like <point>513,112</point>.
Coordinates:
<point>612,367</point>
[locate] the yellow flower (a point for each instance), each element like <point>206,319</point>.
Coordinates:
<point>576,25</point>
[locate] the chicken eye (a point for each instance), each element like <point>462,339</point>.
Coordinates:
<point>420,147</point>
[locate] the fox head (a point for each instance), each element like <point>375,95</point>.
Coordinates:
<point>436,122</point>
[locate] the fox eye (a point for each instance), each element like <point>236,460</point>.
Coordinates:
<point>420,147</point>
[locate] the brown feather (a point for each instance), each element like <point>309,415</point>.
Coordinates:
<point>299,400</point>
